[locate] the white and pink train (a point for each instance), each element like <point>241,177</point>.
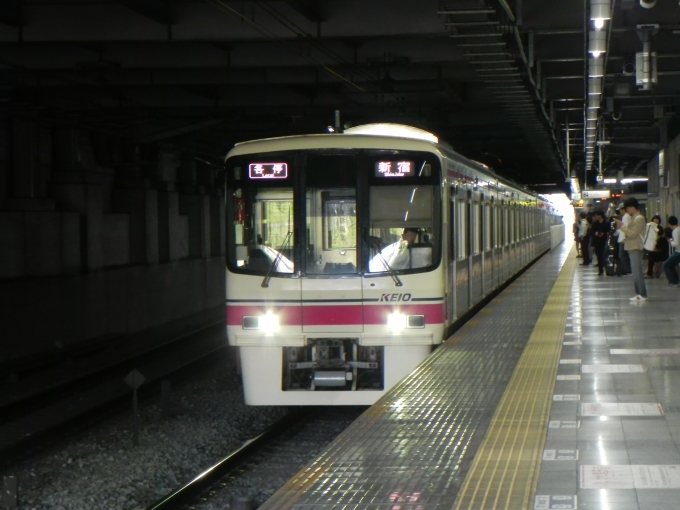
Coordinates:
<point>351,256</point>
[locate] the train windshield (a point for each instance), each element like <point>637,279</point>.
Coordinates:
<point>261,237</point>
<point>403,217</point>
<point>342,213</point>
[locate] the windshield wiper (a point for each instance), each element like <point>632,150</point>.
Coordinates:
<point>397,281</point>
<point>275,262</point>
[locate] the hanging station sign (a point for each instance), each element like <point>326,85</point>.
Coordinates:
<point>596,193</point>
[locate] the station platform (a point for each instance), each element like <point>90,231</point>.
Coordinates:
<point>559,394</point>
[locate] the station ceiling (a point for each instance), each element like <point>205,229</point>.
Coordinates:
<point>503,81</point>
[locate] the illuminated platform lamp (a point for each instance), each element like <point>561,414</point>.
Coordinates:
<point>597,42</point>
<point>600,10</point>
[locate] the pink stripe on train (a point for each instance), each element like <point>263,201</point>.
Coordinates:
<point>336,315</point>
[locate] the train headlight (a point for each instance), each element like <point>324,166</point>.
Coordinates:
<point>396,321</point>
<point>268,323</point>
<point>399,321</point>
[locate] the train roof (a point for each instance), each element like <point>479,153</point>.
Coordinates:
<point>361,137</point>
<point>369,136</point>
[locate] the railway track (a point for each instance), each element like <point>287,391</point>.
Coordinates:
<point>274,455</point>
<point>64,406</point>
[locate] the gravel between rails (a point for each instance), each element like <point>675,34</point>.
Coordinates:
<point>102,470</point>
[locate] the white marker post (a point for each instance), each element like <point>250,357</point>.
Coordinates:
<point>135,379</point>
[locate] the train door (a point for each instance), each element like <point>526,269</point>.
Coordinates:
<point>497,251</point>
<point>487,246</point>
<point>462,259</point>
<point>476,269</point>
<point>513,252</point>
<point>452,245</point>
<point>331,286</point>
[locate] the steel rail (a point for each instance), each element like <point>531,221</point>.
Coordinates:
<point>212,475</point>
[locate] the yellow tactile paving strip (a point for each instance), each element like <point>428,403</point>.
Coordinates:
<point>505,471</point>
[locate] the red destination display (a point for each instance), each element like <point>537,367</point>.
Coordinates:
<point>268,170</point>
<point>394,169</point>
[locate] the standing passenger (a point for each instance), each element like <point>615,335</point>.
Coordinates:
<point>583,238</point>
<point>653,232</point>
<point>623,254</point>
<point>633,246</point>
<point>600,229</point>
<point>575,229</point>
<point>672,261</point>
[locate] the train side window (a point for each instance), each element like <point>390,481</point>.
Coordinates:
<point>506,226</point>
<point>497,226</point>
<point>461,230</point>
<point>487,227</point>
<point>476,228</point>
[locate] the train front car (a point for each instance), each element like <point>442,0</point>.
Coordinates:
<point>335,288</point>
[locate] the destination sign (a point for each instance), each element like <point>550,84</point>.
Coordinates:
<point>394,169</point>
<point>268,170</point>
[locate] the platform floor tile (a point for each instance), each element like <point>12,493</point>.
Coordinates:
<point>414,447</point>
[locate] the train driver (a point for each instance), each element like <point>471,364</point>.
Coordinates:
<point>396,255</point>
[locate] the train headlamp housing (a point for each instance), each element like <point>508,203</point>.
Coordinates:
<point>398,321</point>
<point>268,323</point>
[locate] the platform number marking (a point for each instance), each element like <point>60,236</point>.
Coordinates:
<point>560,454</point>
<point>560,424</point>
<point>549,502</point>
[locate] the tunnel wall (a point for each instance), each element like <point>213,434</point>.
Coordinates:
<point>101,238</point>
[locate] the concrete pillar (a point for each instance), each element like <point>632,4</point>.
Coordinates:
<point>178,229</point>
<point>25,160</point>
<point>141,204</point>
<point>85,199</point>
<point>12,235</point>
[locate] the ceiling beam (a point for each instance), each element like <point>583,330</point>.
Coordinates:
<point>156,10</point>
<point>309,9</point>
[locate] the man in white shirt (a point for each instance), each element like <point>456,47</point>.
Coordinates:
<point>395,255</point>
<point>633,245</point>
<point>669,266</point>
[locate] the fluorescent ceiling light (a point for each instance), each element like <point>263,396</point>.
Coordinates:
<point>634,179</point>
<point>609,181</point>
<point>597,42</point>
<point>600,10</point>
<point>594,86</point>
<point>595,67</point>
